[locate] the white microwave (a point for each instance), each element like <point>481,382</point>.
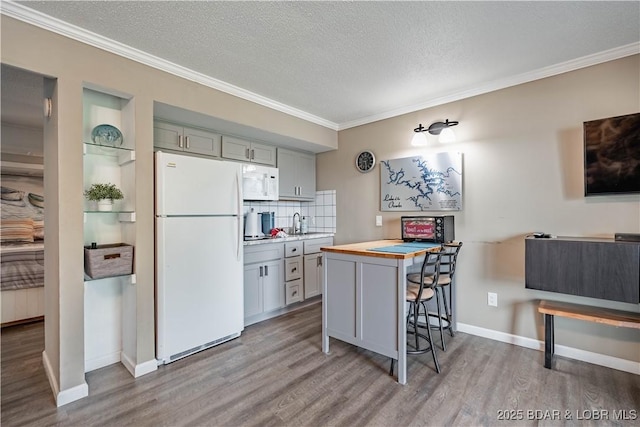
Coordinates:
<point>259,182</point>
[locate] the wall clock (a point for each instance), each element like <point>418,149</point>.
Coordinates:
<point>365,161</point>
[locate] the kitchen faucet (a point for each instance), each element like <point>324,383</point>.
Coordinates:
<point>294,228</point>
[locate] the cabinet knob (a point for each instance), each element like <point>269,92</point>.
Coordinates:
<point>180,141</point>
<point>294,270</point>
<point>186,138</point>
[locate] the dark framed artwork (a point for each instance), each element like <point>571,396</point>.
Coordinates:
<point>612,155</point>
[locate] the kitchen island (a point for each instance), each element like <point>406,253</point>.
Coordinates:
<point>364,296</point>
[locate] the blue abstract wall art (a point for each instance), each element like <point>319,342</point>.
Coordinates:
<point>422,183</point>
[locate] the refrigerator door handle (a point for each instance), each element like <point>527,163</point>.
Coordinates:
<point>239,213</point>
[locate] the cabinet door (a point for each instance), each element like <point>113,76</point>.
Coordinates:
<point>235,148</point>
<point>273,286</point>
<point>287,171</point>
<point>263,154</point>
<point>202,142</point>
<point>312,275</point>
<point>252,290</point>
<point>306,173</point>
<point>166,135</point>
<point>320,273</point>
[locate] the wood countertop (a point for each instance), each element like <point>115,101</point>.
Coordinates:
<point>364,249</point>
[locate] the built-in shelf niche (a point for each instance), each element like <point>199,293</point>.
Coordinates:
<point>110,303</point>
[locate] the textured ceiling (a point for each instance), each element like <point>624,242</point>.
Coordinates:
<point>352,62</point>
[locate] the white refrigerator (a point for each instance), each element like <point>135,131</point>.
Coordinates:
<point>199,254</point>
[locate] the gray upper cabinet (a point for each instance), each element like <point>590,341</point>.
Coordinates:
<point>297,172</point>
<point>175,137</point>
<point>248,151</point>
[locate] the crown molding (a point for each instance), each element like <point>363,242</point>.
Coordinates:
<point>33,17</point>
<point>49,23</point>
<point>553,70</point>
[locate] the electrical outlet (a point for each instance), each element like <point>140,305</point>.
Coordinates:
<point>378,220</point>
<point>492,299</point>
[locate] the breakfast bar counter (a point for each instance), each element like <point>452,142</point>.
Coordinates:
<point>364,292</point>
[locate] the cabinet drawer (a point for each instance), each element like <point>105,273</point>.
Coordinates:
<point>293,248</point>
<point>293,292</point>
<point>264,252</point>
<point>313,246</point>
<point>293,268</point>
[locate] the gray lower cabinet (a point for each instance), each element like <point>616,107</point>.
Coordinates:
<point>275,275</point>
<point>181,138</point>
<point>293,272</point>
<point>589,267</point>
<point>297,172</point>
<point>248,151</point>
<point>313,268</point>
<point>312,275</point>
<point>263,280</point>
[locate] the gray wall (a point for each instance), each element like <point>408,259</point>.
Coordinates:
<point>75,65</point>
<point>523,172</point>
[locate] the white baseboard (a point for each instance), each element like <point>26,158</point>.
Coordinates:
<point>560,350</point>
<point>48,370</point>
<point>146,368</point>
<point>140,369</point>
<point>101,362</point>
<point>66,396</point>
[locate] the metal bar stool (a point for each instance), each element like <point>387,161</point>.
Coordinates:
<point>418,293</point>
<point>448,262</point>
<point>446,270</point>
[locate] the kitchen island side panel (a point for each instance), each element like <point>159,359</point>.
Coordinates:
<point>379,308</point>
<point>362,301</point>
<point>341,299</point>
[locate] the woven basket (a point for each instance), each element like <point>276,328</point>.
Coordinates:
<point>108,260</point>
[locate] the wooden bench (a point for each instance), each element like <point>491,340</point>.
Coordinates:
<point>607,316</point>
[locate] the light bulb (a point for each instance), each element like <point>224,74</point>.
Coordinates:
<point>419,138</point>
<point>447,135</point>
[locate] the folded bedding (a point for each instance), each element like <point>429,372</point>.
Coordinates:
<point>21,267</point>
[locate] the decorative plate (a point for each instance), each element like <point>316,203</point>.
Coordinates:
<point>107,135</point>
<point>365,161</point>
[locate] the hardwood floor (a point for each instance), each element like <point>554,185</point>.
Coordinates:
<point>276,374</point>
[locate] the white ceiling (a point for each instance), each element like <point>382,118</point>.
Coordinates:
<point>341,64</point>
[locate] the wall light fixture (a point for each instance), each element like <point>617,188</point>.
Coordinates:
<point>438,128</point>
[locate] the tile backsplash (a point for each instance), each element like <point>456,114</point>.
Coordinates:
<point>320,214</point>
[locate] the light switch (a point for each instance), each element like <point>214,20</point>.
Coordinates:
<point>378,220</point>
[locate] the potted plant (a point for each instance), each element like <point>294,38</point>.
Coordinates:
<point>104,194</point>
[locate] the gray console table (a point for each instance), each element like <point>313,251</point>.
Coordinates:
<point>589,267</point>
